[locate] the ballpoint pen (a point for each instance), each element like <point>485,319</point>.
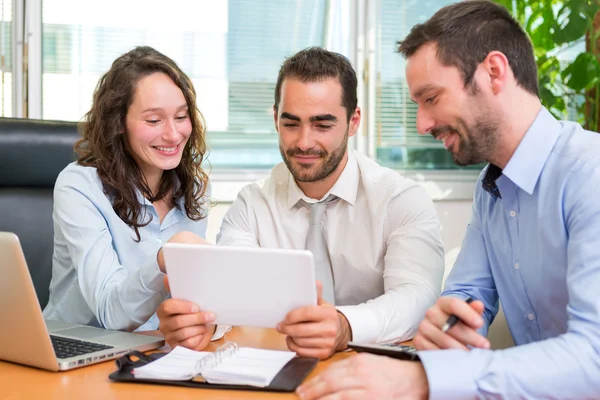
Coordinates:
<point>453,319</point>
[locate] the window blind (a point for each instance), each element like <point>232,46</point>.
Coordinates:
<point>397,141</point>
<point>231,49</point>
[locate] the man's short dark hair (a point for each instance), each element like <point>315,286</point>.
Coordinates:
<point>466,32</point>
<point>316,64</point>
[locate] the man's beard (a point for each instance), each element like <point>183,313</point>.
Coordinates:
<point>476,142</point>
<point>329,163</point>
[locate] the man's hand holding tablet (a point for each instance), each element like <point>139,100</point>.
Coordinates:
<point>239,286</point>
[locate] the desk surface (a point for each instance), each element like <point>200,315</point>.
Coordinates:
<point>19,382</point>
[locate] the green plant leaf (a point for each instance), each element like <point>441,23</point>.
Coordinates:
<point>555,25</point>
<point>508,4</point>
<point>574,28</point>
<point>582,73</point>
<point>560,105</point>
<point>547,97</point>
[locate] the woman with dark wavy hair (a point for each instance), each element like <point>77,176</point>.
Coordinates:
<point>138,183</point>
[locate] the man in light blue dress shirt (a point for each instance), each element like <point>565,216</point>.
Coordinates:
<point>534,238</point>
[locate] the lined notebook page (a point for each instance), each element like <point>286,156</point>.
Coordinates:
<point>178,365</point>
<point>246,366</point>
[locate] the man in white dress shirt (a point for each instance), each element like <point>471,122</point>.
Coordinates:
<point>385,256</point>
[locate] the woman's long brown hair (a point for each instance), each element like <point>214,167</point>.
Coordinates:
<point>103,144</point>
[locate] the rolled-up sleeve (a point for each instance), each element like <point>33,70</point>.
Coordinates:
<point>412,276</point>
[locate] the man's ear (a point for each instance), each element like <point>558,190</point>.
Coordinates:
<point>354,122</point>
<point>497,70</point>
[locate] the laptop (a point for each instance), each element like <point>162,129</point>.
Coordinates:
<point>25,337</point>
<point>242,286</point>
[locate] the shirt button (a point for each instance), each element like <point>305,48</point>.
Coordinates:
<point>512,213</point>
<point>159,240</point>
<point>531,317</point>
<point>516,265</point>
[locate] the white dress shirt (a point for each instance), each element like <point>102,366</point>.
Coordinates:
<point>383,237</point>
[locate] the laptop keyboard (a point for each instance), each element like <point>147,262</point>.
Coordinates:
<point>66,348</point>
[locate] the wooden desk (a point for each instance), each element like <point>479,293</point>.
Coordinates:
<point>20,382</point>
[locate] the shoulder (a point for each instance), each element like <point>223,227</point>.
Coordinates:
<point>80,179</point>
<point>381,180</point>
<point>267,187</point>
<point>576,145</point>
<point>397,198</point>
<point>575,160</point>
<point>77,176</point>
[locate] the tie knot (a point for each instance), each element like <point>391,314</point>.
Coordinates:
<point>317,210</point>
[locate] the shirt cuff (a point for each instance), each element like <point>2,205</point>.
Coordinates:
<point>363,322</point>
<point>152,278</point>
<point>451,373</point>
<point>220,332</point>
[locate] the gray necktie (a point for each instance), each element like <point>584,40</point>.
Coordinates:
<point>315,242</point>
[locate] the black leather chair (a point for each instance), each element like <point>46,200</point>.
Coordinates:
<point>32,154</point>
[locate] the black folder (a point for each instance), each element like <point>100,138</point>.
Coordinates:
<point>287,380</point>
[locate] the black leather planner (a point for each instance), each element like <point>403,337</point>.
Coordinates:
<point>287,380</point>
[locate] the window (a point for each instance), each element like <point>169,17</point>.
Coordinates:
<point>231,49</point>
<point>397,143</point>
<point>6,56</point>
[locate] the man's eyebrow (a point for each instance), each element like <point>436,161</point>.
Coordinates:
<point>419,93</point>
<point>323,117</point>
<point>286,115</point>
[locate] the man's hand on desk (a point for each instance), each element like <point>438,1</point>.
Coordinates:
<point>461,335</point>
<point>183,324</point>
<point>366,376</point>
<point>316,331</point>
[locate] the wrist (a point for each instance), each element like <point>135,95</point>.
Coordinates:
<point>345,334</point>
<point>420,382</point>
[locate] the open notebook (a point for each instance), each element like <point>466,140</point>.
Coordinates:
<point>230,365</point>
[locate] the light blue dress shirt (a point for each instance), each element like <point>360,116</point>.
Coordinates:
<point>100,275</point>
<point>537,248</point>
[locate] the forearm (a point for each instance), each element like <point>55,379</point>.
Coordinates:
<point>394,316</point>
<point>125,301</point>
<point>566,367</point>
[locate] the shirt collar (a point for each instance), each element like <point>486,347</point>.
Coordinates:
<point>525,166</point>
<point>145,202</point>
<point>346,187</point>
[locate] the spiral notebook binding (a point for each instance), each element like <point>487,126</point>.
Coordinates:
<point>214,359</point>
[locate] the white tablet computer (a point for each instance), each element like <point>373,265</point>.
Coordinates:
<point>241,286</point>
